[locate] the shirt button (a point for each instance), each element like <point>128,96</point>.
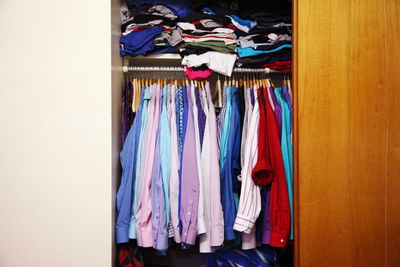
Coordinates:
<point>189,213</point>
<point>282,240</point>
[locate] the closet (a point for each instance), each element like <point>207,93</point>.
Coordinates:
<point>346,135</point>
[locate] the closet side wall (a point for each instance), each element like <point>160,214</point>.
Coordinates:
<point>55,138</point>
<point>116,99</point>
<point>348,132</point>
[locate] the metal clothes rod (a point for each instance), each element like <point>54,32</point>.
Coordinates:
<point>176,69</point>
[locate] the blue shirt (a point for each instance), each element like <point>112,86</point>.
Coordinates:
<point>137,43</point>
<point>231,166</point>
<point>287,151</point>
<point>249,51</point>
<point>125,191</point>
<point>144,106</point>
<point>158,199</point>
<point>182,110</point>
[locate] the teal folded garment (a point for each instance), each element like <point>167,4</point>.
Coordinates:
<point>249,52</point>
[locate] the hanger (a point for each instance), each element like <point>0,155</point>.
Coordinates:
<point>219,92</point>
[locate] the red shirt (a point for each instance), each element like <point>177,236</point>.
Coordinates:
<point>269,169</point>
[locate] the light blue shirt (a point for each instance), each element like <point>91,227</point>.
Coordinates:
<point>287,151</point>
<point>249,51</point>
<point>165,151</point>
<point>225,128</point>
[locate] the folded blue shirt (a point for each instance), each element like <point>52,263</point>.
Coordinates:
<point>245,22</point>
<point>249,51</point>
<point>137,43</point>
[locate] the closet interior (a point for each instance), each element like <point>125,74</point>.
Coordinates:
<point>206,134</point>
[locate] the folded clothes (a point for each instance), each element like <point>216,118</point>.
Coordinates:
<point>261,40</point>
<point>178,9</point>
<point>248,51</point>
<point>280,65</point>
<point>214,37</point>
<point>214,45</point>
<point>193,74</point>
<point>242,24</point>
<point>257,61</point>
<point>268,17</point>
<point>267,47</point>
<point>198,16</point>
<point>217,61</point>
<point>137,43</point>
<point>226,38</point>
<point>173,37</point>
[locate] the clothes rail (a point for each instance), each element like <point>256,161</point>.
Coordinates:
<point>176,69</point>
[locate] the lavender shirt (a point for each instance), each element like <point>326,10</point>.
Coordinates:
<point>277,110</point>
<point>190,182</point>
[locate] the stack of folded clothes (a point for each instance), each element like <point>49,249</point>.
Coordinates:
<point>210,38</point>
<point>145,25</point>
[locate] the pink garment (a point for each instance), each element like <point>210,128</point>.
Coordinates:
<point>143,212</point>
<point>197,74</point>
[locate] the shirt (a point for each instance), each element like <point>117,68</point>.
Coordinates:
<point>201,116</point>
<point>201,228</point>
<point>213,214</point>
<point>175,164</point>
<point>287,151</point>
<point>250,199</point>
<point>279,201</point>
<point>189,181</point>
<point>277,109</point>
<point>227,198</point>
<point>125,192</point>
<point>144,211</point>
<point>161,166</point>
<point>141,138</point>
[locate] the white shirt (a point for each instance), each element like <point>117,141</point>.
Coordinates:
<point>217,61</point>
<point>213,214</point>
<point>250,198</point>
<point>174,179</point>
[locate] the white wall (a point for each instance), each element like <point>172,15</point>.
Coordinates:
<point>55,133</point>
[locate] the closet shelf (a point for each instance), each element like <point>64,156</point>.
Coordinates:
<point>157,56</point>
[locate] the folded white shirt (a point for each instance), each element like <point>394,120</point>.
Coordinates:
<point>217,61</point>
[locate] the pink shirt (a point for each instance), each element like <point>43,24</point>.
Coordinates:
<point>143,212</point>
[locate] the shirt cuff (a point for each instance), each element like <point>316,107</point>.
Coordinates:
<point>144,238</point>
<point>229,233</point>
<point>121,235</point>
<point>243,224</point>
<point>161,242</point>
<point>278,240</point>
<point>249,240</point>
<point>201,226</point>
<point>189,235</point>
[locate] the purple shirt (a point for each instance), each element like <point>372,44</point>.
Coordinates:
<point>288,100</point>
<point>267,223</point>
<point>190,182</point>
<point>158,197</point>
<point>277,110</point>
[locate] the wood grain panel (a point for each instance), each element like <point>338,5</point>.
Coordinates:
<point>392,54</point>
<point>344,105</point>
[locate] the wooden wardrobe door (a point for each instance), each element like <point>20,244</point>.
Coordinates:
<point>347,93</point>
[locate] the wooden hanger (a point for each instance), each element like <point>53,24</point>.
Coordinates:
<point>219,93</point>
